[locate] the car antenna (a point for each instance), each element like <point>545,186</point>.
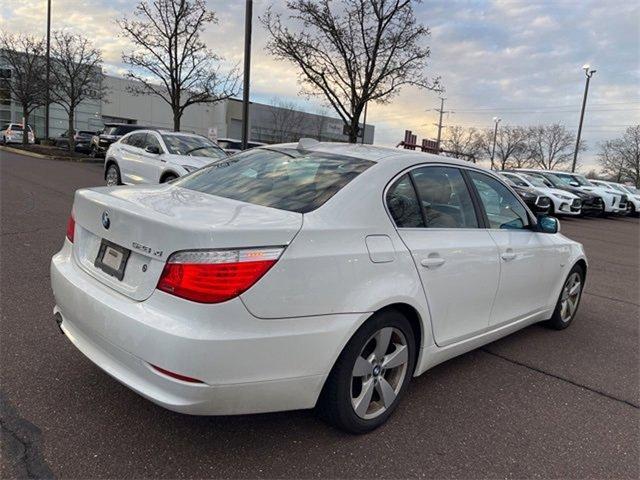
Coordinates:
<point>306,143</point>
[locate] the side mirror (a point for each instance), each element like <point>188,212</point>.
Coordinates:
<point>547,224</point>
<point>152,149</point>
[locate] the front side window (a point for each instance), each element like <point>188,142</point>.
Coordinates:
<point>503,209</point>
<point>136,140</point>
<point>152,141</point>
<point>404,205</point>
<point>192,146</point>
<point>286,179</point>
<point>445,198</point>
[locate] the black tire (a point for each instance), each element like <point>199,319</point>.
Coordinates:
<point>335,403</point>
<point>168,178</point>
<point>559,320</point>
<point>118,177</point>
<point>632,210</point>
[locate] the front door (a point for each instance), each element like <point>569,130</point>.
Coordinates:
<point>457,261</point>
<point>527,257</point>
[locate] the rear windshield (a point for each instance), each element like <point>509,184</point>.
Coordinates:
<point>280,178</point>
<point>120,129</point>
<point>17,128</point>
<point>192,146</point>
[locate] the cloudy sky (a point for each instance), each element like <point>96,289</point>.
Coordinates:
<point>519,60</point>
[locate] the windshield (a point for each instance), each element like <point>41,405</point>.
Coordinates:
<point>616,187</point>
<point>537,181</point>
<point>579,179</point>
<point>192,146</point>
<point>285,178</point>
<point>17,128</point>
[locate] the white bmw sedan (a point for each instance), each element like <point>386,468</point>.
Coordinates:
<point>157,156</point>
<point>292,276</point>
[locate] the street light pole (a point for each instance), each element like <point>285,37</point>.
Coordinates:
<point>588,73</point>
<point>247,73</point>
<point>495,136</point>
<point>48,69</point>
<point>364,125</point>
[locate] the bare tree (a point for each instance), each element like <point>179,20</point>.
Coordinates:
<point>510,145</point>
<point>462,142</point>
<point>170,59</point>
<point>24,55</point>
<point>611,160</point>
<point>551,146</point>
<point>620,158</point>
<point>76,71</point>
<point>287,121</point>
<point>353,53</point>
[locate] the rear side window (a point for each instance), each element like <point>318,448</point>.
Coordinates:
<point>286,179</point>
<point>444,195</point>
<point>404,205</point>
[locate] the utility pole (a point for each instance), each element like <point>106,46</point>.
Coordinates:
<point>495,137</point>
<point>248,14</point>
<point>589,73</point>
<point>441,110</point>
<point>48,70</point>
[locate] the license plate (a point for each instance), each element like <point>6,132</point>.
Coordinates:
<point>112,259</point>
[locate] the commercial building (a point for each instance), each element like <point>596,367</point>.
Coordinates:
<point>267,123</point>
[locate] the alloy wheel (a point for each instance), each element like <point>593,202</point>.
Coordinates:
<point>570,297</point>
<point>112,176</point>
<point>379,372</point>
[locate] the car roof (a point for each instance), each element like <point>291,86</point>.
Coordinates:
<point>377,153</point>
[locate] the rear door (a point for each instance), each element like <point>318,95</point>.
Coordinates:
<point>527,257</point>
<point>456,259</point>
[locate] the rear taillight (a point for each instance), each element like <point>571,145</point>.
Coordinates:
<point>214,276</point>
<point>71,228</point>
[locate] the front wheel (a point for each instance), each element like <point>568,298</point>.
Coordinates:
<point>113,176</point>
<point>569,300</point>
<point>168,178</point>
<point>371,375</point>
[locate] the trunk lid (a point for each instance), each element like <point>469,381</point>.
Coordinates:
<point>155,221</point>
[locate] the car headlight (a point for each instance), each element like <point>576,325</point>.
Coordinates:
<point>189,168</point>
<point>563,197</point>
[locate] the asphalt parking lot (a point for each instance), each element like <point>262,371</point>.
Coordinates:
<point>539,403</point>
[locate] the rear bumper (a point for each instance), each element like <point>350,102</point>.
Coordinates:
<point>248,365</point>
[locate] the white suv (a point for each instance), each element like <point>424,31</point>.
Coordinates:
<point>12,133</point>
<point>157,156</point>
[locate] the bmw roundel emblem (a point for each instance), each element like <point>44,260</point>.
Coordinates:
<point>106,222</point>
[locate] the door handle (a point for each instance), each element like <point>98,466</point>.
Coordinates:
<point>508,255</point>
<point>432,262</point>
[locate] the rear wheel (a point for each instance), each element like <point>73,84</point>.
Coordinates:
<point>113,175</point>
<point>168,178</point>
<point>569,300</point>
<point>371,375</point>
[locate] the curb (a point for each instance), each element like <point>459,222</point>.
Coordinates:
<point>28,153</point>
